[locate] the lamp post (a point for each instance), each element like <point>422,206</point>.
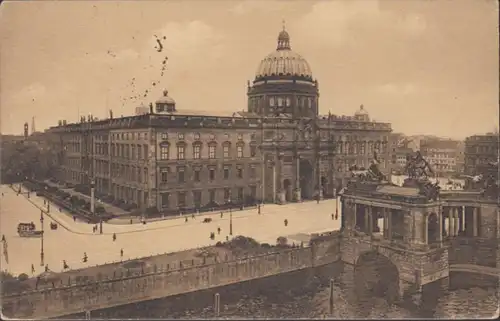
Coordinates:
<point>42,261</point>
<point>92,203</point>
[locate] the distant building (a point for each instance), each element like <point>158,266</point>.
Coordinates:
<point>141,110</point>
<point>399,150</point>
<point>481,155</point>
<point>442,154</point>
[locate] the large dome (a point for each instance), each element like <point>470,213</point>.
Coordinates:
<point>283,61</point>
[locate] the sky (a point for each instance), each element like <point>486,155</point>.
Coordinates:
<point>426,67</point>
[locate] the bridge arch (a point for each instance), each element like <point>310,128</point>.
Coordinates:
<point>376,275</point>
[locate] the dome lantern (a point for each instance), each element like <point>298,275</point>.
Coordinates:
<point>362,114</point>
<point>283,39</point>
<point>165,103</point>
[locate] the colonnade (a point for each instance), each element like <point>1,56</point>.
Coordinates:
<point>456,218</point>
<point>420,227</point>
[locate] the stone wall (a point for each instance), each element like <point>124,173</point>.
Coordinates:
<point>488,221</point>
<point>479,251</point>
<point>109,291</point>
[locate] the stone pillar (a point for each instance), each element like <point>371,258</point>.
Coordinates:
<point>355,215</point>
<point>367,220</point>
<point>297,180</point>
<point>440,222</point>
<point>370,220</point>
<point>320,187</point>
<point>451,222</point>
<point>274,182</point>
<point>389,224</point>
<point>457,222</point>
<point>475,222</point>
<point>463,219</point>
<point>426,228</point>
<point>386,222</point>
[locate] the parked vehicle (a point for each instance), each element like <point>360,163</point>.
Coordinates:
<point>28,230</point>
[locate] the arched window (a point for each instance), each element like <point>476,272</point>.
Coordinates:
<point>271,101</point>
<point>280,101</point>
<point>288,102</point>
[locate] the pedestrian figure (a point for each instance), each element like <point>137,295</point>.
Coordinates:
<point>114,237</point>
<point>317,199</point>
<point>93,229</point>
<point>65,265</point>
<point>218,230</point>
<point>336,216</point>
<point>121,253</point>
<point>130,221</point>
<point>192,215</point>
<point>3,237</point>
<point>227,238</point>
<point>144,222</point>
<point>333,216</point>
<point>32,269</point>
<point>221,214</point>
<point>74,217</point>
<point>85,257</point>
<point>286,222</point>
<point>186,219</point>
<point>212,235</point>
<point>258,208</point>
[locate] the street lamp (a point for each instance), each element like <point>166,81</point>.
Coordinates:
<point>42,261</point>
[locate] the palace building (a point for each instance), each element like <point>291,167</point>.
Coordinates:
<point>279,150</point>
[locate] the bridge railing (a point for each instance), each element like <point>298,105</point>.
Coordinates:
<point>122,272</point>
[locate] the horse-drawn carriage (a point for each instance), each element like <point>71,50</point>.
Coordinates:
<point>207,220</point>
<point>53,225</point>
<point>28,230</point>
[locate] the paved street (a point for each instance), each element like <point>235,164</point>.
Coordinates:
<point>71,239</point>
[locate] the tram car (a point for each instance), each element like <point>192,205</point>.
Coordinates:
<point>28,230</point>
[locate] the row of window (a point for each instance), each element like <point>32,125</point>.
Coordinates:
<point>129,136</point>
<point>281,101</point>
<point>132,152</point>
<point>129,173</point>
<point>198,196</point>
<point>212,150</point>
<point>197,136</point>
<point>198,171</point>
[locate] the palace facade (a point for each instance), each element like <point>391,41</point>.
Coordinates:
<point>279,150</point>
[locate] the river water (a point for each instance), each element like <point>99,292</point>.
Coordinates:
<point>292,297</point>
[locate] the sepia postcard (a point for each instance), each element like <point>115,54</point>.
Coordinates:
<point>249,159</point>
